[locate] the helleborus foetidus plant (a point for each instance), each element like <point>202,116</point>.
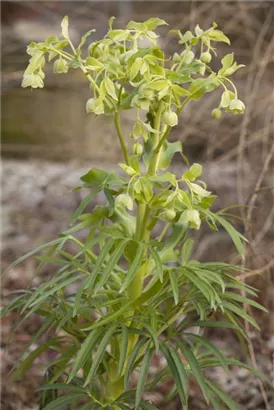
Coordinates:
<point>136,290</point>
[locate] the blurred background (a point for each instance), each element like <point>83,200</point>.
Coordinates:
<point>48,141</point>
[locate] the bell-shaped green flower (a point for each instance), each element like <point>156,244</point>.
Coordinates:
<point>191,217</point>
<point>95,106</point>
<point>237,106</point>
<point>32,80</point>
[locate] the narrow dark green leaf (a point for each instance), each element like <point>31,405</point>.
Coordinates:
<point>154,336</point>
<point>195,367</point>
<point>113,260</point>
<point>62,402</point>
<point>187,249</point>
<point>99,355</point>
<point>133,266</point>
<point>224,397</point>
<point>244,300</point>
<point>131,360</point>
<point>83,205</point>
<point>240,312</point>
<point>178,372</point>
<point>148,406</point>
<point>174,286</point>
<point>61,386</point>
<point>205,288</point>
<point>236,237</point>
<point>158,263</point>
<point>55,289</point>
<point>110,318</point>
<point>123,349</point>
<point>78,298</point>
<point>123,406</point>
<point>211,323</point>
<point>213,349</point>
<point>84,352</point>
<point>42,330</point>
<point>26,364</point>
<point>33,252</point>
<point>142,378</point>
<point>99,263</point>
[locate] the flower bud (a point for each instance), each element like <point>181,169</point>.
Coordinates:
<point>216,113</point>
<point>176,58</point>
<point>170,214</point>
<point>206,57</point>
<point>60,66</point>
<point>125,201</point>
<point>167,215</point>
<point>138,149</point>
<point>202,70</point>
<point>170,118</point>
<point>187,56</point>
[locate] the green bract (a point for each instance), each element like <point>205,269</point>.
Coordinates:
<point>127,287</point>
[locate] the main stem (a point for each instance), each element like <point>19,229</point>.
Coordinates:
<point>141,232</point>
<point>121,136</point>
<point>143,211</point>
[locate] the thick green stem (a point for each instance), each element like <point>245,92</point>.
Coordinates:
<point>121,137</point>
